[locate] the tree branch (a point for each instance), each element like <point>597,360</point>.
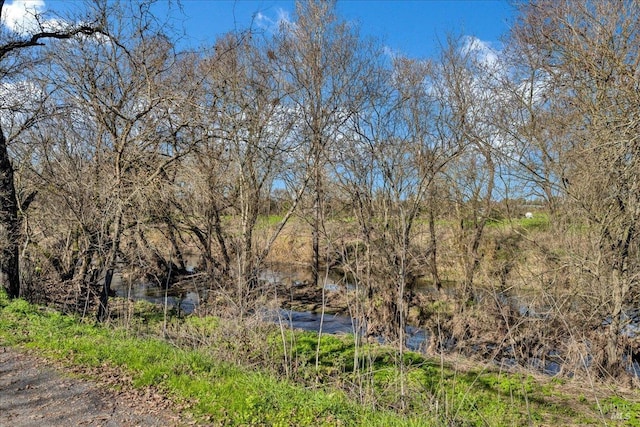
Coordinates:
<point>36,39</point>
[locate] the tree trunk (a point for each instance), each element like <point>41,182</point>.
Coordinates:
<point>318,219</point>
<point>103,308</point>
<point>9,224</point>
<point>613,349</point>
<point>317,214</point>
<point>433,254</point>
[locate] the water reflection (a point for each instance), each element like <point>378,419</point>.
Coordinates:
<point>309,321</point>
<point>416,339</point>
<point>184,300</point>
<point>187,300</point>
<point>300,276</point>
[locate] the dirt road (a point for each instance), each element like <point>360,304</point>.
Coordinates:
<point>35,393</point>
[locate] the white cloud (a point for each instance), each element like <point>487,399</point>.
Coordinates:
<point>273,24</point>
<point>482,51</point>
<point>283,17</point>
<point>17,102</point>
<point>19,94</point>
<point>261,18</point>
<point>21,16</point>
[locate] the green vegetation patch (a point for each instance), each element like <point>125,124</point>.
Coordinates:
<point>267,221</point>
<point>620,409</point>
<point>298,378</point>
<point>218,392</point>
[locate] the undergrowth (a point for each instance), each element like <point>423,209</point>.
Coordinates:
<point>229,374</point>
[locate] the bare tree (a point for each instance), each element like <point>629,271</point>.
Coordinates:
<point>387,173</point>
<point>465,120</point>
<point>249,137</point>
<point>117,143</point>
<point>586,57</point>
<point>324,62</point>
<point>12,61</point>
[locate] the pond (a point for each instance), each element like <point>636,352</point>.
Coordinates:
<point>187,298</point>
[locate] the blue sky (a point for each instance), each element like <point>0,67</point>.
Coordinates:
<point>412,28</point>
<point>409,27</point>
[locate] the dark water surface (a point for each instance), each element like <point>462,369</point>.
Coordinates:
<point>187,299</point>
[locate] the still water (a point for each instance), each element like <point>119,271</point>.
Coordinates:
<point>186,299</point>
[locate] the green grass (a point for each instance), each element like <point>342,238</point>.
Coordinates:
<point>442,394</point>
<point>329,380</point>
<point>539,222</point>
<point>219,392</point>
<point>265,221</point>
<point>621,409</point>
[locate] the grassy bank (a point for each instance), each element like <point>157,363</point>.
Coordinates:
<point>262,375</point>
